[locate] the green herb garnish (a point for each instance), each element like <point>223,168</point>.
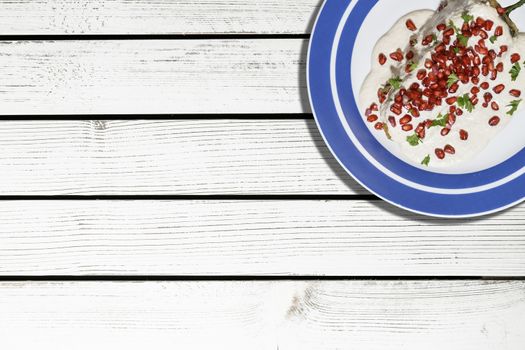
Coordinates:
<point>452,79</point>
<point>413,140</point>
<point>426,161</point>
<point>456,49</point>
<point>515,71</point>
<point>464,102</point>
<point>413,66</point>
<point>441,120</point>
<point>395,83</point>
<point>493,39</point>
<point>466,17</point>
<point>513,106</point>
<point>463,40</point>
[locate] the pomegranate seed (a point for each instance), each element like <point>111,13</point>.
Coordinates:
<point>451,100</point>
<point>414,112</point>
<point>463,135</point>
<point>515,57</point>
<point>487,96</point>
<point>494,121</point>
<point>372,118</point>
<point>440,153</point>
<point>451,119</point>
<point>411,25</point>
<point>499,88</point>
<point>452,109</point>
<point>453,88</point>
<point>483,34</point>
<point>475,80</point>
<point>428,123</point>
<point>428,63</point>
<point>503,49</point>
<point>475,90</point>
<point>488,25</point>
<point>397,56</point>
<point>449,149</point>
<point>485,104</point>
<point>500,67</point>
<point>515,93</point>
<point>374,107</point>
<point>427,40</point>
<point>379,126</point>
<point>407,127</point>
<point>493,75</point>
<point>445,131</point>
<point>396,109</point>
<point>501,10</point>
<point>494,105</point>
<point>381,59</point>
<point>480,21</point>
<point>498,31</point>
<point>440,48</point>
<point>421,133</point>
<point>459,111</point>
<point>448,32</point>
<point>421,74</point>
<point>441,26</point>
<point>405,120</point>
<point>392,121</point>
<point>484,85</point>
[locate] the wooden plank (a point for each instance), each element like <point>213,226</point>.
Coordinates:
<point>251,237</point>
<point>153,76</point>
<point>168,157</point>
<point>157,17</point>
<point>433,315</point>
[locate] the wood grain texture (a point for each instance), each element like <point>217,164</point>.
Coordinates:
<point>250,237</point>
<point>153,76</point>
<point>264,315</point>
<point>157,17</point>
<point>168,157</point>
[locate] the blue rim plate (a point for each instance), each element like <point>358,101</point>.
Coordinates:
<point>329,77</point>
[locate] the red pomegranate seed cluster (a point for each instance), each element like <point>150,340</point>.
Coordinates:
<point>458,56</point>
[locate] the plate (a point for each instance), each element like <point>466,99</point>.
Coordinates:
<point>339,58</point>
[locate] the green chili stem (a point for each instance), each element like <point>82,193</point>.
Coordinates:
<point>511,8</point>
<point>513,28</point>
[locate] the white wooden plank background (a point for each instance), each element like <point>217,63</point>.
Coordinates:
<point>153,76</point>
<point>168,157</point>
<point>252,237</point>
<point>453,315</point>
<point>157,17</point>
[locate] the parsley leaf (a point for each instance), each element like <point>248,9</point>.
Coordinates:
<point>452,79</point>
<point>464,102</point>
<point>493,39</point>
<point>395,83</point>
<point>413,66</point>
<point>413,140</point>
<point>515,71</point>
<point>441,120</point>
<point>456,49</point>
<point>514,106</point>
<point>463,40</point>
<point>466,17</point>
<point>426,161</point>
